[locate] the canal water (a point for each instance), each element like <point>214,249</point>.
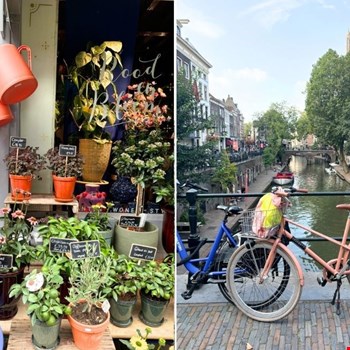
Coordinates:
<point>317,212</point>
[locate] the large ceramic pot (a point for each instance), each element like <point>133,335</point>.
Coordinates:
<point>168,229</point>
<point>152,311</point>
<point>8,306</point>
<point>124,238</point>
<point>64,188</point>
<point>121,311</point>
<point>87,336</point>
<point>18,183</point>
<point>96,158</point>
<point>44,336</point>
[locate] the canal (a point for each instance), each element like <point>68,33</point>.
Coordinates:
<point>318,212</point>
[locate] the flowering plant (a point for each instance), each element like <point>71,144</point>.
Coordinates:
<point>99,216</point>
<point>142,106</point>
<point>15,235</point>
<point>139,341</point>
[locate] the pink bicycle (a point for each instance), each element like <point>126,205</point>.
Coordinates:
<point>264,277</point>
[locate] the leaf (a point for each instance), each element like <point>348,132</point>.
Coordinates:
<point>82,58</point>
<point>116,46</point>
<point>32,298</point>
<point>32,308</point>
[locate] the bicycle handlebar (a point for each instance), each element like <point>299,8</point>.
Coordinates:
<point>284,191</point>
<point>189,184</point>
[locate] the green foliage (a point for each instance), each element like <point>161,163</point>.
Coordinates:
<point>139,341</point>
<point>225,174</point>
<point>328,101</point>
<point>40,291</point>
<point>304,126</point>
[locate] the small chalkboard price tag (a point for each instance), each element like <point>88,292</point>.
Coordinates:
<point>6,261</point>
<point>142,252</point>
<point>85,249</point>
<point>67,150</point>
<point>18,142</point>
<point>60,245</point>
<point>129,221</point>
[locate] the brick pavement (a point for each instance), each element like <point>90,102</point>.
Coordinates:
<point>208,322</point>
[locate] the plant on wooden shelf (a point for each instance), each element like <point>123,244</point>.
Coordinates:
<point>123,286</point>
<point>157,289</point>
<point>65,172</point>
<point>40,291</point>
<point>95,104</point>
<point>24,165</point>
<point>88,300</point>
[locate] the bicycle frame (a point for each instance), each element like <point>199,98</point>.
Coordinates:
<point>336,267</point>
<point>191,265</point>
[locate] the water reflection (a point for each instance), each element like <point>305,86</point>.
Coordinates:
<point>318,212</point>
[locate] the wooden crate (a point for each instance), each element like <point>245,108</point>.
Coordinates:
<point>21,337</point>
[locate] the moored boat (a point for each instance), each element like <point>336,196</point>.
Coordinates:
<point>283,178</point>
<point>330,170</point>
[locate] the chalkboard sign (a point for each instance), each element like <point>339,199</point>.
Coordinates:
<point>18,142</point>
<point>60,245</point>
<point>67,150</point>
<point>6,261</point>
<point>85,249</point>
<point>130,221</point>
<point>142,252</point>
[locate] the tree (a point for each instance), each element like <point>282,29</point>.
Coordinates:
<point>304,127</point>
<point>277,124</point>
<point>225,174</point>
<point>328,101</point>
<point>191,160</point>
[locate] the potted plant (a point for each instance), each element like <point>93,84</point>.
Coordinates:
<point>88,301</point>
<point>124,284</point>
<point>16,252</point>
<point>40,291</point>
<point>95,104</point>
<point>98,216</point>
<point>157,290</point>
<point>65,172</point>
<point>24,165</point>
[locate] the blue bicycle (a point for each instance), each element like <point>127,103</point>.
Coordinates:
<point>212,268</point>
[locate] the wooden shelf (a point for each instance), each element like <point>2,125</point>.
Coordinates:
<point>166,330</point>
<point>45,199</point>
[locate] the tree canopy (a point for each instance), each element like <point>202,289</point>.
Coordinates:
<point>328,101</point>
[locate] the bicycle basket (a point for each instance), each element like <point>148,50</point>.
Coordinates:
<point>261,223</point>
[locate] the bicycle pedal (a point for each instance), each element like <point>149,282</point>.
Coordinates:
<point>321,281</point>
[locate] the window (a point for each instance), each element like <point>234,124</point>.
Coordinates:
<point>187,70</point>
<point>205,97</point>
<point>178,63</point>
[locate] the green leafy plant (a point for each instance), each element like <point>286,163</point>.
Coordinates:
<point>139,341</point>
<point>25,161</point>
<point>15,235</point>
<point>159,278</point>
<point>125,278</point>
<point>89,279</point>
<point>96,101</point>
<point>99,216</point>
<point>40,291</point>
<point>64,166</point>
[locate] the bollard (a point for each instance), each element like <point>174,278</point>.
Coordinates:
<point>193,238</point>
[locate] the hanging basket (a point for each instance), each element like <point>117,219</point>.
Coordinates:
<point>96,159</point>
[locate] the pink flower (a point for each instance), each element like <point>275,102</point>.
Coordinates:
<point>5,211</point>
<point>18,214</point>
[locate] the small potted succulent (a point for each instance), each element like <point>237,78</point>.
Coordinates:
<point>24,165</point>
<point>39,291</point>
<point>158,288</point>
<point>65,172</point>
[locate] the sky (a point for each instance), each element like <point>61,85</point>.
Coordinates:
<point>263,51</point>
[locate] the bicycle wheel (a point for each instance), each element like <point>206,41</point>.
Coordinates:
<point>223,256</point>
<point>278,293</point>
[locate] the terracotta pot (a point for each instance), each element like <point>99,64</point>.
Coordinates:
<point>87,336</point>
<point>6,115</point>
<point>64,188</point>
<point>16,79</point>
<point>19,182</point>
<point>96,159</point>
<point>8,306</point>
